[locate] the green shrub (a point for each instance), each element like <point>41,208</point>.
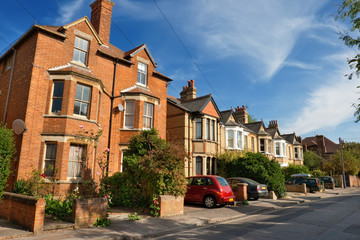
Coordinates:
<point>151,167</point>
<point>60,210</point>
<point>7,149</point>
<point>293,169</point>
<point>259,168</point>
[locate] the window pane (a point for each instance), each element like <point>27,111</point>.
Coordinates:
<point>198,128</point>
<point>199,165</point>
<point>77,107</point>
<point>49,168</point>
<point>79,92</point>
<point>50,151</point>
<point>84,109</point>
<point>58,89</point>
<point>56,105</point>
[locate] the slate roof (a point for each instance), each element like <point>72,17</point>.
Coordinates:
<point>225,116</point>
<point>197,104</point>
<point>256,128</point>
<point>291,138</point>
<point>272,132</point>
<point>137,90</point>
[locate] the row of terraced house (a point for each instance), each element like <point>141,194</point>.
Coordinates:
<point>60,80</point>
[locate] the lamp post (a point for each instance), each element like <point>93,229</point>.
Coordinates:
<point>342,162</point>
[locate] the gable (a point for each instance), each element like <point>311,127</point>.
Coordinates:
<point>232,118</point>
<point>210,109</point>
<point>86,20</point>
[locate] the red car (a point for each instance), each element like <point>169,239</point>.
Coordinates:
<point>209,190</point>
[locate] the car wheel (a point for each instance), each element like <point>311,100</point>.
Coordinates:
<point>209,201</point>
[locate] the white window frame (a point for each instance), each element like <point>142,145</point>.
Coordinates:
<point>148,115</point>
<point>198,128</point>
<point>142,72</point>
<point>212,123</point>
<point>48,158</point>
<point>228,138</point>
<point>207,129</point>
<point>57,97</point>
<point>239,139</point>
<point>83,101</point>
<point>81,46</point>
<point>129,115</point>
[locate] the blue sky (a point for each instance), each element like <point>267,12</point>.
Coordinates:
<point>282,59</point>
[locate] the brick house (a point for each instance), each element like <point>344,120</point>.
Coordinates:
<point>194,122</point>
<point>321,145</point>
<point>65,80</point>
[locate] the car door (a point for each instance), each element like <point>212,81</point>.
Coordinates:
<point>199,185</point>
<point>189,191</point>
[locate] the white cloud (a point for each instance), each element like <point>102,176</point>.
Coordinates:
<point>67,11</point>
<point>263,31</point>
<point>327,106</point>
<point>301,65</point>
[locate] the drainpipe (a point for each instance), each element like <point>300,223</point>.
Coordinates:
<point>9,89</point>
<point>110,122</point>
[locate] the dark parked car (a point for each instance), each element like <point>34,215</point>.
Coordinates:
<point>327,180</point>
<point>209,190</point>
<point>255,190</point>
<point>312,184</point>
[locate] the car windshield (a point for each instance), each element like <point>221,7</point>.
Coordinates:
<point>222,181</point>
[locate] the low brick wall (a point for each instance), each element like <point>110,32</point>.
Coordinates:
<point>23,210</point>
<point>241,192</point>
<point>171,205</point>
<point>87,211</point>
<point>296,188</point>
<point>354,181</point>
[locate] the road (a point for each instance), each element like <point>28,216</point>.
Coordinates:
<point>333,218</point>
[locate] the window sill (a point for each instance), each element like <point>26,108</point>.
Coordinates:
<point>142,86</point>
<point>67,181</point>
<point>76,117</point>
<point>130,129</point>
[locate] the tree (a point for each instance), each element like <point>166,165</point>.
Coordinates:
<point>7,149</point>
<point>251,118</point>
<point>349,10</point>
<point>312,160</point>
<point>351,158</point>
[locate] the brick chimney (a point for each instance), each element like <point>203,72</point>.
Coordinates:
<point>101,11</point>
<point>273,124</point>
<point>241,114</point>
<point>188,92</point>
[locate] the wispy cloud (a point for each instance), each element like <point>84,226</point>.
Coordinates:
<point>67,11</point>
<point>301,65</point>
<point>264,31</point>
<point>326,106</point>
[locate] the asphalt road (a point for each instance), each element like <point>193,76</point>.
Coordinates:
<point>334,218</point>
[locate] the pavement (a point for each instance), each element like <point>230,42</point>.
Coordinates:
<point>149,227</point>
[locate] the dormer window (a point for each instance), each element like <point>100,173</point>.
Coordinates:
<point>142,74</point>
<point>81,50</point>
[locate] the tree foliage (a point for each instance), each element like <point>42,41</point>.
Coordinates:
<point>152,167</point>
<point>257,167</point>
<point>349,10</point>
<point>312,160</point>
<point>351,158</point>
<point>7,149</point>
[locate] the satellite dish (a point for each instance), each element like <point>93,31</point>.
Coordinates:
<point>18,126</point>
<point>120,107</point>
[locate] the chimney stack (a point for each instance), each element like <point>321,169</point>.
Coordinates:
<point>241,115</point>
<point>188,92</point>
<point>273,124</point>
<point>101,11</point>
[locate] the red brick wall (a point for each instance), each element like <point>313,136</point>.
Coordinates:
<point>87,211</point>
<point>26,211</point>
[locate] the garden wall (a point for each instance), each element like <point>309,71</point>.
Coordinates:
<point>296,188</point>
<point>87,210</point>
<point>25,211</point>
<point>171,205</point>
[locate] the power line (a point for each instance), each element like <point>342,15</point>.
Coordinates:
<point>188,52</point>
<point>22,5</point>
<point>118,28</point>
